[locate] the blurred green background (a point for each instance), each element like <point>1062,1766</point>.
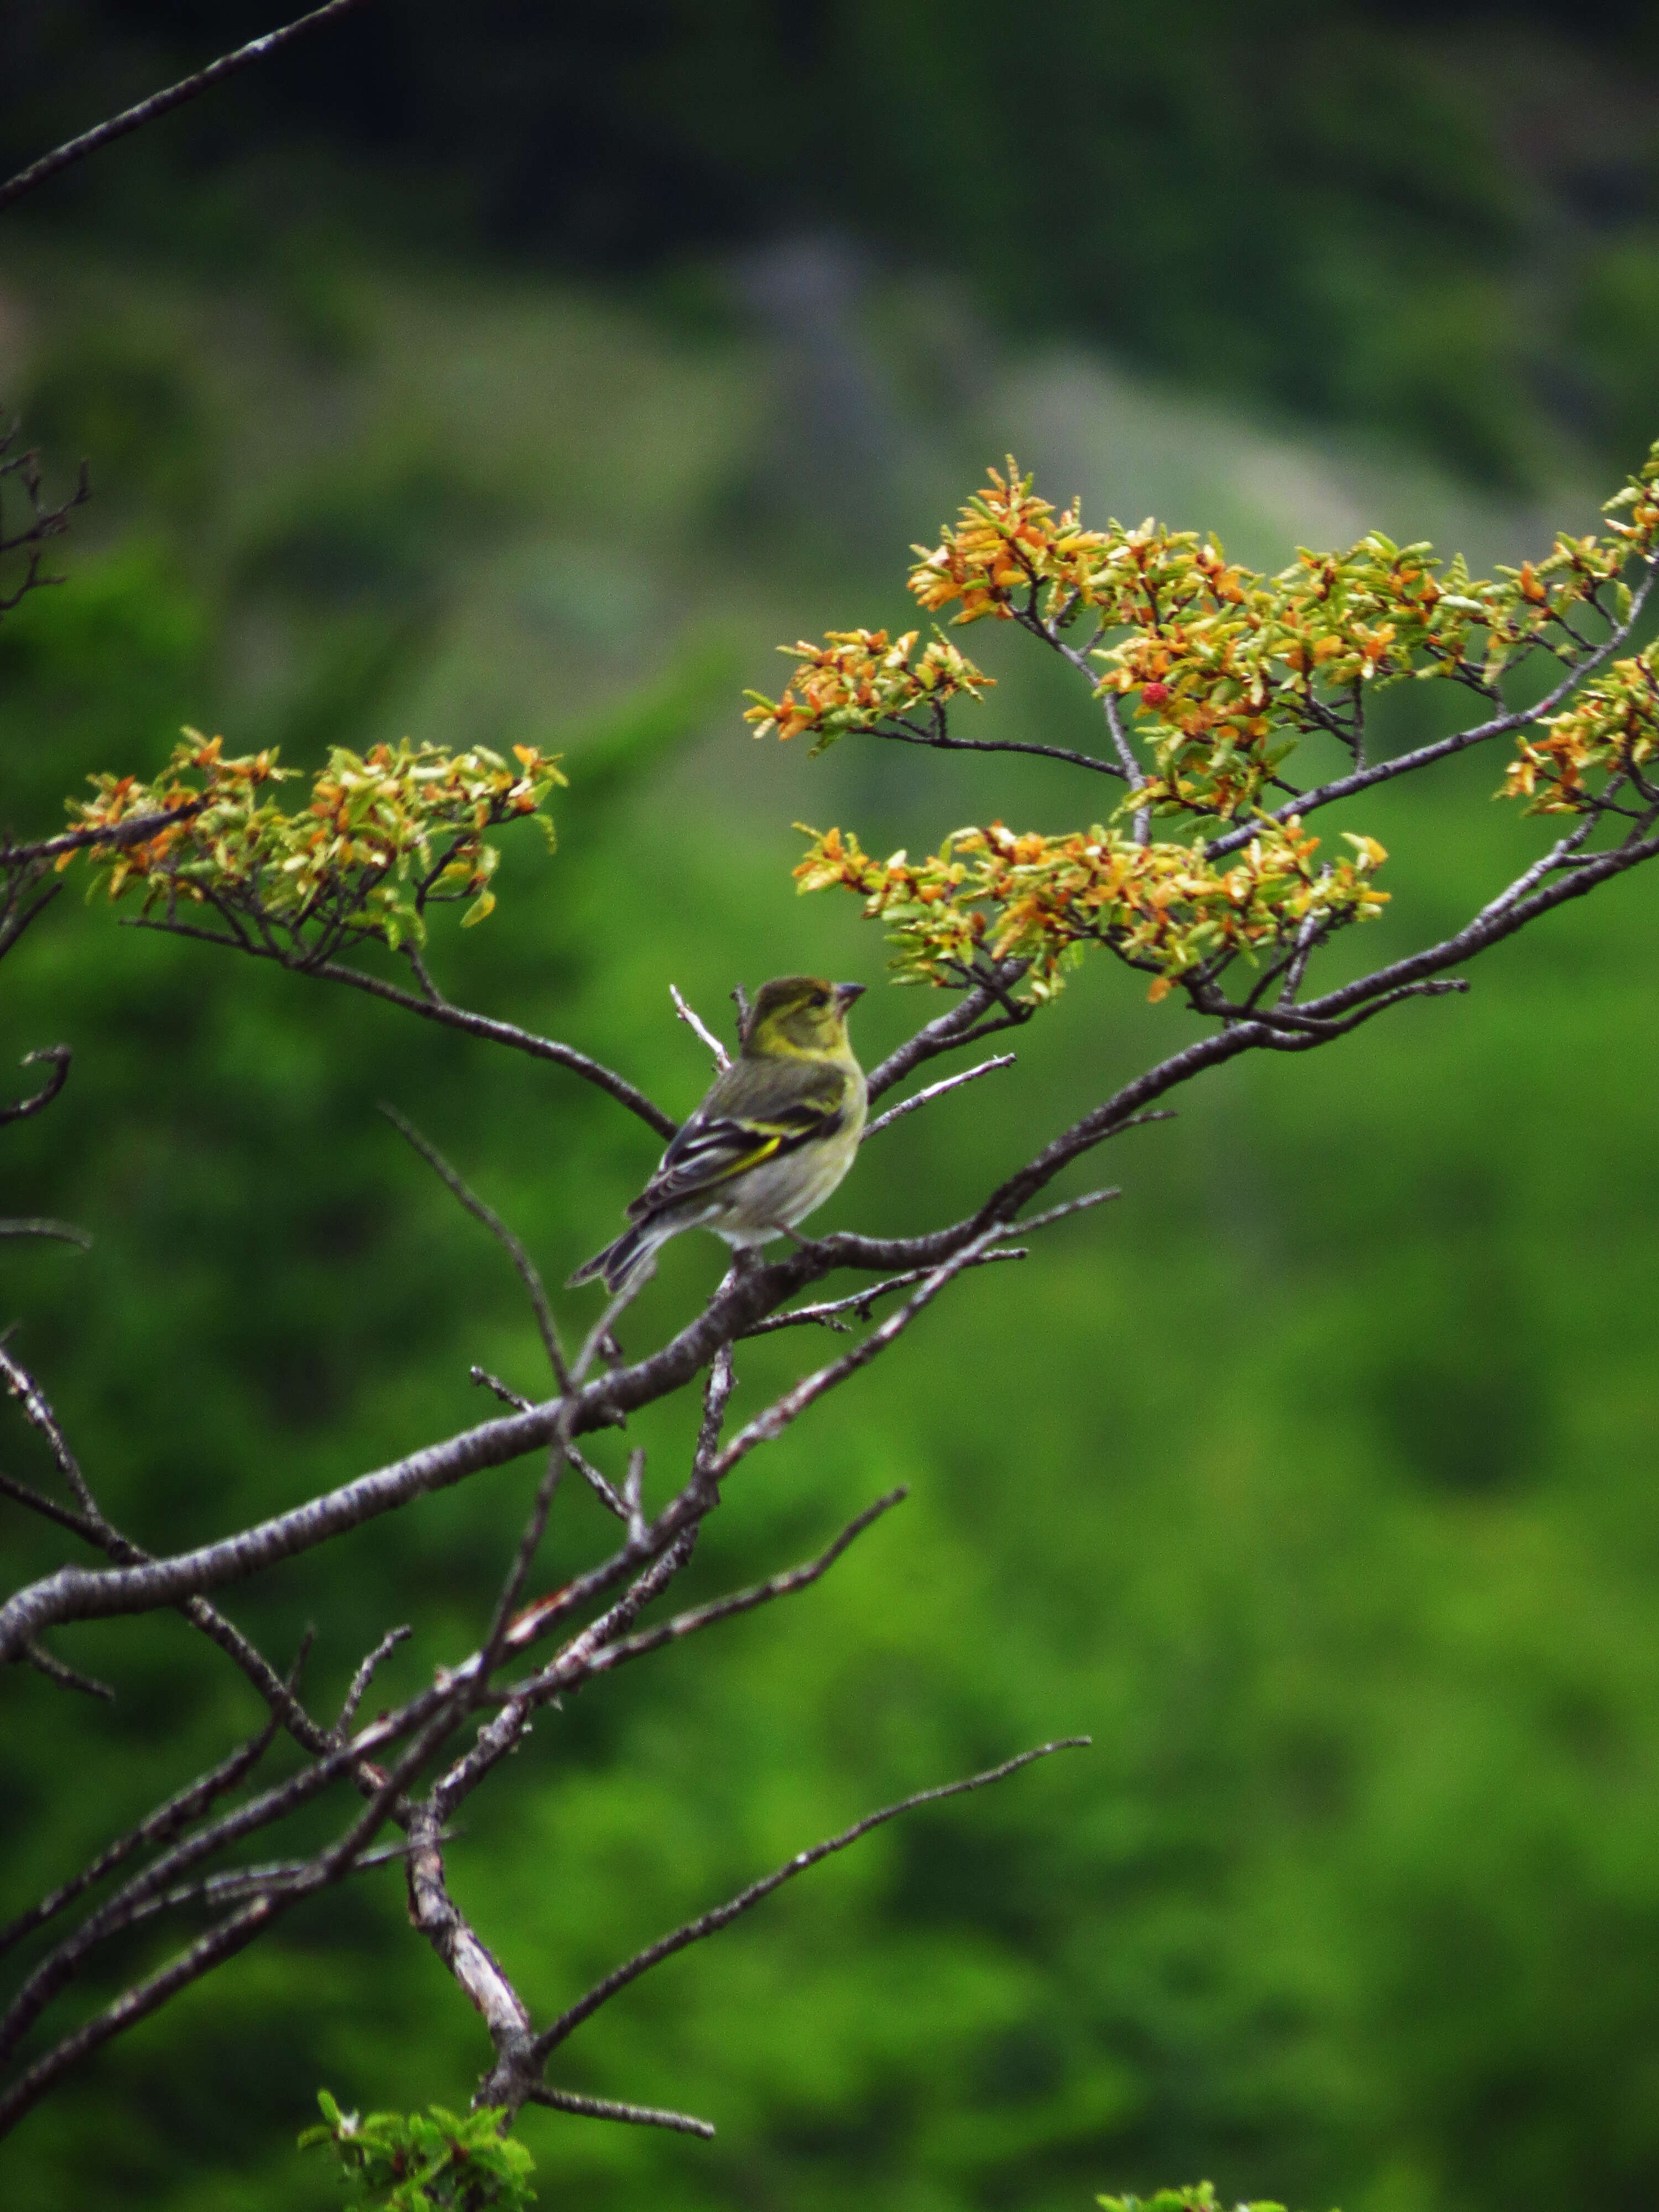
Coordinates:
<point>505,378</point>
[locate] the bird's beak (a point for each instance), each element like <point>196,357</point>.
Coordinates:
<point>846,993</point>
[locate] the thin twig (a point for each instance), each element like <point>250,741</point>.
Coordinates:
<point>1076,1205</point>
<point>162,103</point>
<point>445,1012</point>
<point>634,1495</point>
<point>827,1314</point>
<point>606,2108</point>
<point>60,1056</point>
<point>786,1584</point>
<point>156,1828</point>
<point>135,830</point>
<point>709,1923</point>
<point>365,1674</point>
<point>523,1558</point>
<point>494,1382</point>
<point>722,1058</point>
<point>23,1495</point>
<point>66,1677</point>
<point>936,1090</point>
<point>61,1233</point>
<point>778,1416</point>
<point>37,1411</point>
<point>268,1879</point>
<point>528,1274</point>
<point>948,1031</point>
<point>900,733</point>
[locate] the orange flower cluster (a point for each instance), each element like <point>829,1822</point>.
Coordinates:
<point>1228,669</point>
<point>1612,727</point>
<point>860,678</point>
<point>1223,672</point>
<point>383,836</point>
<point>1228,680</point>
<point>1008,545</point>
<point>1163,908</point>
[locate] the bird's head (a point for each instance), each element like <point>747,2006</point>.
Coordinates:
<point>801,1014</point>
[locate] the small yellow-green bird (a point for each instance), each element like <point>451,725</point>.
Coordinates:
<point>772,1139</point>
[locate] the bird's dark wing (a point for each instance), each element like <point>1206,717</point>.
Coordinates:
<point>715,1145</point>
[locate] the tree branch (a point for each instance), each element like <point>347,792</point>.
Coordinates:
<point>529,1274</point>
<point>709,1923</point>
<point>604,2108</point>
<point>60,1056</point>
<point>452,1017</point>
<point>721,1056</point>
<point>164,103</point>
<point>1362,779</point>
<point>936,1090</point>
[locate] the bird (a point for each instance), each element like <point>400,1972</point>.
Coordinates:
<point>773,1137</point>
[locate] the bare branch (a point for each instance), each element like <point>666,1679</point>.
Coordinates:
<point>38,1413</point>
<point>709,1923</point>
<point>722,1058</point>
<point>494,1382</point>
<point>524,1559</point>
<point>62,1232</point>
<point>616,1654</point>
<point>947,1031</point>
<point>162,103</point>
<point>60,1056</point>
<point>766,1426</point>
<point>23,1495</point>
<point>936,1090</point>
<point>156,1828</point>
<point>434,1913</point>
<point>365,1674</point>
<point>435,1711</point>
<point>633,1496</point>
<point>1088,1198</point>
<point>566,1671</point>
<point>827,1314</point>
<point>271,1876</point>
<point>66,1677</point>
<point>528,1273</point>
<point>605,2108</point>
<point>137,2003</point>
<point>451,1016</point>
<point>77,1594</point>
<point>605,1492</point>
<point>94,1526</point>
<point>717,1391</point>
<point>940,741</point>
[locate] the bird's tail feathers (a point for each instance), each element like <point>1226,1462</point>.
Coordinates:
<point>619,1262</point>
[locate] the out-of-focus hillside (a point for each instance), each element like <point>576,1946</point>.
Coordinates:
<point>1313,1478</point>
<point>1437,222</point>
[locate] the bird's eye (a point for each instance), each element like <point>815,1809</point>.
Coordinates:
<point>819,999</point>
